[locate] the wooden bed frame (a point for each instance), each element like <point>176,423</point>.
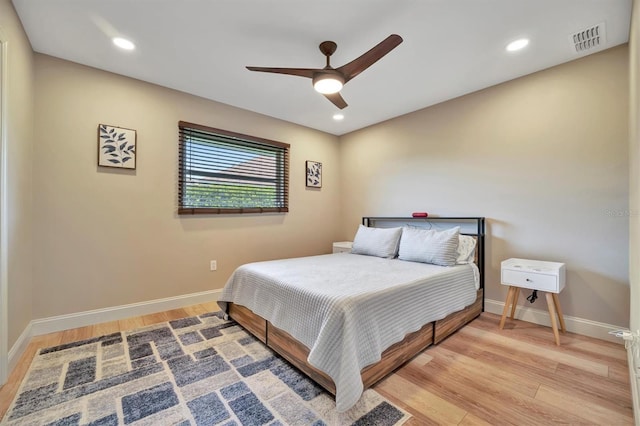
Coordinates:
<point>397,354</point>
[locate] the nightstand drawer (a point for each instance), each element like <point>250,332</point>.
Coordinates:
<point>530,280</point>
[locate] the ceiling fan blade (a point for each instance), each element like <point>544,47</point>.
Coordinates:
<point>337,100</point>
<point>301,72</point>
<point>363,62</point>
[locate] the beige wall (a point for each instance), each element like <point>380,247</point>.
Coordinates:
<point>543,157</point>
<point>19,121</point>
<point>106,237</point>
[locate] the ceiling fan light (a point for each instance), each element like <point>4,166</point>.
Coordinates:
<point>327,84</point>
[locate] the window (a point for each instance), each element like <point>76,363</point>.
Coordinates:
<point>226,172</point>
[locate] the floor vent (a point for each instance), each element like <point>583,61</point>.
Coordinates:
<point>588,39</point>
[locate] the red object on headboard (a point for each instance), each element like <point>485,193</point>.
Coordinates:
<point>420,214</point>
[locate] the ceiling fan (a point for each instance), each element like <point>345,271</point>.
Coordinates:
<point>329,80</point>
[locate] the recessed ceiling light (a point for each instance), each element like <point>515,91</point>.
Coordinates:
<point>338,117</point>
<point>517,44</point>
<point>123,43</point>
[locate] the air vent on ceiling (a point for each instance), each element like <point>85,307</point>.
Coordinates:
<point>588,39</point>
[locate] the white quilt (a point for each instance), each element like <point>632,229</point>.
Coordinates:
<point>348,308</point>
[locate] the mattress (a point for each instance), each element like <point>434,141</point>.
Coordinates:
<point>348,308</point>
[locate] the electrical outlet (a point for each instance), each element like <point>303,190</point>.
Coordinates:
<point>213,265</point>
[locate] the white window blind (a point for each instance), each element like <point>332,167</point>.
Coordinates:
<point>227,172</point>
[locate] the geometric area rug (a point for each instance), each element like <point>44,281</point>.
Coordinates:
<point>201,370</point>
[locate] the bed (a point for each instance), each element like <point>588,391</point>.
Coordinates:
<point>347,320</point>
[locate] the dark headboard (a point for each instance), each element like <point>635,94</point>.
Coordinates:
<point>474,226</point>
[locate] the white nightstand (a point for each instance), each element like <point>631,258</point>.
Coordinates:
<point>535,275</point>
<point>342,247</point>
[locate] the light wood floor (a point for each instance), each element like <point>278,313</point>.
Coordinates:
<point>479,376</point>
<point>482,375</point>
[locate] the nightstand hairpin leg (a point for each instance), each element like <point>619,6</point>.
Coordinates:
<point>514,302</point>
<point>551,304</point>
<point>556,303</point>
<point>510,299</point>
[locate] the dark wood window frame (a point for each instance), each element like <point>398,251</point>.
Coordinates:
<point>269,179</point>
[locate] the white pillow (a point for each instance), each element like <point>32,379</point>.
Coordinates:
<point>430,246</point>
<point>380,242</point>
<point>466,249</point>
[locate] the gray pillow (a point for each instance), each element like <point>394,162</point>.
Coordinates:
<point>380,242</point>
<point>430,246</point>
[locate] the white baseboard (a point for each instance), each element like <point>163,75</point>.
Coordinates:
<point>19,347</point>
<point>97,316</point>
<point>586,327</point>
<point>81,319</point>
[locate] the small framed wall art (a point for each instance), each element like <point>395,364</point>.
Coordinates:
<point>314,174</point>
<point>116,147</point>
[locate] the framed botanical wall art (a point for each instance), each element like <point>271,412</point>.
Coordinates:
<point>314,174</point>
<point>116,147</point>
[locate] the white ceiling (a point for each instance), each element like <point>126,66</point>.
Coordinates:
<point>450,48</point>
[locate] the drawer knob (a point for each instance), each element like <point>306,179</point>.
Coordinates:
<point>528,280</point>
